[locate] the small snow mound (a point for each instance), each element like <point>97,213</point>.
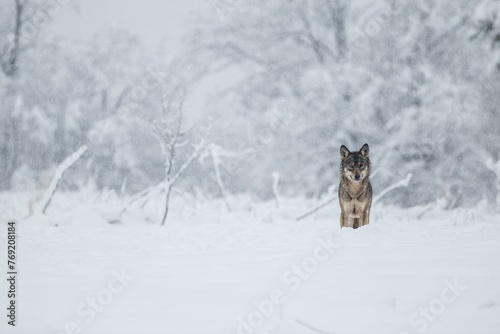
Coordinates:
<point>38,220</point>
<point>364,230</point>
<point>367,229</point>
<point>82,216</point>
<point>111,215</point>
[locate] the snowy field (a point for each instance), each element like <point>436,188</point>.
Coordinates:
<point>257,270</point>
<point>156,156</point>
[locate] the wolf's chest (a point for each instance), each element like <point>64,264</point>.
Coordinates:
<point>355,207</point>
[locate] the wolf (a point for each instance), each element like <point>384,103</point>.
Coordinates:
<point>355,190</point>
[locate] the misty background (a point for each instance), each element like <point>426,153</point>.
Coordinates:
<point>279,84</point>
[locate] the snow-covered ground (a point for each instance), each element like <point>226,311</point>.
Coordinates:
<point>259,271</point>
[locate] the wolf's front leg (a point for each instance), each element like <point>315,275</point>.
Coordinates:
<point>356,223</point>
<point>366,217</point>
<point>342,223</point>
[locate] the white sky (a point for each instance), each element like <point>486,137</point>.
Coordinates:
<point>159,23</point>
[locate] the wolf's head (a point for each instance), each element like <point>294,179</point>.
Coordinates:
<point>355,166</point>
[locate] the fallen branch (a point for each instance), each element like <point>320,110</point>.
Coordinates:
<point>399,184</point>
<point>317,208</point>
<point>140,195</point>
<point>426,209</point>
<point>60,171</point>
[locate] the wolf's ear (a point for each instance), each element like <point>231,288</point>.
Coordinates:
<point>344,152</point>
<point>365,150</point>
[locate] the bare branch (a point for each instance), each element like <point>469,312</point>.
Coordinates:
<point>12,58</point>
<point>236,50</point>
<point>120,99</point>
<point>216,153</point>
<point>192,157</point>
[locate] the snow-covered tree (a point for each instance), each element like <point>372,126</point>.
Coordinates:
<point>404,76</point>
<point>13,18</point>
<point>170,134</point>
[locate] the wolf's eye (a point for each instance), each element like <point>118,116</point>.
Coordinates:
<point>361,165</point>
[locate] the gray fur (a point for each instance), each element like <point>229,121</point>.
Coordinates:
<point>355,190</point>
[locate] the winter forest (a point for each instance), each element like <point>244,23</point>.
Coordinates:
<point>419,81</point>
<point>209,156</point>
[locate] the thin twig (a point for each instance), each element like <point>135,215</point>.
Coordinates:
<point>310,327</point>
